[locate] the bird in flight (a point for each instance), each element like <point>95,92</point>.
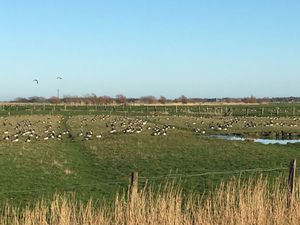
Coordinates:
<point>59,78</point>
<point>35,80</point>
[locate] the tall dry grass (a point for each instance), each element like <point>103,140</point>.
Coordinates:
<point>234,202</point>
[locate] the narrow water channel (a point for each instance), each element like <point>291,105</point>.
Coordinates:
<point>257,140</point>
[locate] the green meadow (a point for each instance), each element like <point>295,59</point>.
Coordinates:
<point>93,154</point>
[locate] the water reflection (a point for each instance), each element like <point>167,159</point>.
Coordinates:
<point>256,140</point>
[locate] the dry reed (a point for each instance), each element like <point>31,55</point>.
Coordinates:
<point>233,202</point>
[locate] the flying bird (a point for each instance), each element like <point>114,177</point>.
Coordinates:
<point>59,78</point>
<point>35,80</point>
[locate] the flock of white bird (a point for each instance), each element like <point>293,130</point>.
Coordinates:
<point>18,129</point>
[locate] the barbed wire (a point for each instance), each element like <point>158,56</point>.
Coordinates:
<point>124,183</point>
<point>215,173</point>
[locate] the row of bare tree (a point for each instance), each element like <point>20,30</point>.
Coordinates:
<point>122,99</point>
<point>103,100</point>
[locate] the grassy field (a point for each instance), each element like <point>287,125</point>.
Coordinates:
<point>64,155</point>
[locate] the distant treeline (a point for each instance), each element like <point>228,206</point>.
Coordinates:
<point>121,99</point>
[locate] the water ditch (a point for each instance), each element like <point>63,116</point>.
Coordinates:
<point>265,141</point>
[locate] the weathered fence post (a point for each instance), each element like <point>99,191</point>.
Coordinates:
<point>294,110</point>
<point>134,184</point>
<point>291,183</point>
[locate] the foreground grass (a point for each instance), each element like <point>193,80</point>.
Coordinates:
<point>234,202</point>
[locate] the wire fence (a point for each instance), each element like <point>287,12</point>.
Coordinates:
<point>144,179</point>
<point>280,109</point>
<point>216,173</point>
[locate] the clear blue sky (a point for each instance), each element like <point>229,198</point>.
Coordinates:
<point>199,48</point>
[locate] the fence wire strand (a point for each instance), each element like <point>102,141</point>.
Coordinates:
<point>215,173</point>
<point>141,178</point>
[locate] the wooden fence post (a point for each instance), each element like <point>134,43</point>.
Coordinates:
<point>294,110</point>
<point>134,184</point>
<point>291,183</point>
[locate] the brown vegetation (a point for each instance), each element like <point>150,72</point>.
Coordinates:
<point>162,100</point>
<point>253,202</point>
<point>182,99</point>
<point>54,100</point>
<point>148,99</point>
<point>250,99</point>
<point>120,99</point>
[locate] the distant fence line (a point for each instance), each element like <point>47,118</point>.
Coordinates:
<point>205,110</point>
